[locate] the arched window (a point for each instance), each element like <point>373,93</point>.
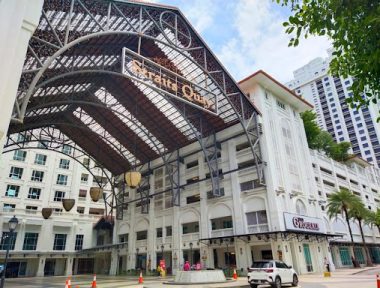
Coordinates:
<point>300,208</point>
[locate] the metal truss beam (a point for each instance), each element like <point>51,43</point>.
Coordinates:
<point>151,21</point>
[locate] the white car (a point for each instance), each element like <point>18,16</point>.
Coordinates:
<point>272,272</point>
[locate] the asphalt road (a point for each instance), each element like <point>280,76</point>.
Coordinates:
<point>365,279</point>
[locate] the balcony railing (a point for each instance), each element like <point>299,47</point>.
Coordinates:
<point>222,232</point>
<point>190,237</point>
<point>258,228</point>
<point>142,243</point>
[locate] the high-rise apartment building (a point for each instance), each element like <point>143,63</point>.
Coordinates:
<point>328,94</point>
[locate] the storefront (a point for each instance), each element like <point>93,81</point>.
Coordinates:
<point>304,245</point>
<point>342,253</point>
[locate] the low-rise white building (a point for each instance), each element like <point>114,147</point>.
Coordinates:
<point>363,179</point>
<point>32,179</point>
<point>279,218</point>
<point>283,218</point>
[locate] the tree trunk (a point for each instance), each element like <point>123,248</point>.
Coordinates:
<point>352,238</point>
<point>369,260</point>
<point>348,223</point>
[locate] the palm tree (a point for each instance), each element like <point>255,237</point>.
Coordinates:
<point>340,203</point>
<point>374,218</point>
<point>360,213</point>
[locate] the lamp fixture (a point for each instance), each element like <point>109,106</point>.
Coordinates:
<point>95,193</point>
<point>12,224</point>
<point>133,178</point>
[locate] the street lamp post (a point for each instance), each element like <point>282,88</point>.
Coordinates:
<point>162,252</point>
<point>191,254</point>
<point>12,227</point>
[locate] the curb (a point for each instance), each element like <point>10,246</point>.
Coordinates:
<point>366,269</point>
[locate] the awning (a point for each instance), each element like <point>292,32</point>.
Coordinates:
<point>274,235</point>
<point>349,243</point>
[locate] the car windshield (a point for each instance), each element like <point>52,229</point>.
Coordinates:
<point>262,264</point>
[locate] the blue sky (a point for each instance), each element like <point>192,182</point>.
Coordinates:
<point>247,35</point>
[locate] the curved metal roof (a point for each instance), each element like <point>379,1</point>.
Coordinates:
<point>80,77</point>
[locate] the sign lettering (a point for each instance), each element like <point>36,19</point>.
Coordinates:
<point>303,223</point>
<point>168,81</point>
<point>299,222</point>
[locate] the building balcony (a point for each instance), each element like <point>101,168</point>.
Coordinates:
<point>258,228</point>
<point>222,232</point>
<point>190,237</point>
<point>142,243</point>
<point>328,176</point>
<point>342,182</point>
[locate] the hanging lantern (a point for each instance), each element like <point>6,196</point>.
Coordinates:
<point>133,179</point>
<point>68,204</point>
<point>95,193</point>
<point>46,212</point>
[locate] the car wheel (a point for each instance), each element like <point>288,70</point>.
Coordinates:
<point>254,285</point>
<point>295,281</point>
<point>277,283</point>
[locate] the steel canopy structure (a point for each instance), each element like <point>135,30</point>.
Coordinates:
<point>126,82</point>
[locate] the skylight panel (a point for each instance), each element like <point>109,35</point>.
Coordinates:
<point>166,108</point>
<point>92,124</point>
<point>129,120</point>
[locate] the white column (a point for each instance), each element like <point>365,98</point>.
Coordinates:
<point>242,261</point>
<point>114,261</point>
<point>235,189</point>
<point>204,220</point>
<point>18,20</point>
<point>131,262</point>
<point>152,229</point>
<point>69,266</point>
<point>41,266</point>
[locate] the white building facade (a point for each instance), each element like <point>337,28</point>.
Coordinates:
<point>363,180</point>
<point>251,221</point>
<point>328,95</point>
<point>36,178</point>
<point>283,219</point>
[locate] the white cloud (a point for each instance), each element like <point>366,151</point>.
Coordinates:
<point>261,43</point>
<point>201,13</point>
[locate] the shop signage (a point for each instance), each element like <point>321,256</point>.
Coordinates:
<point>170,82</point>
<point>297,222</point>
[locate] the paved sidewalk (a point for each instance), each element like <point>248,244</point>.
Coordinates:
<point>342,278</point>
<point>342,272</point>
<point>346,278</point>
